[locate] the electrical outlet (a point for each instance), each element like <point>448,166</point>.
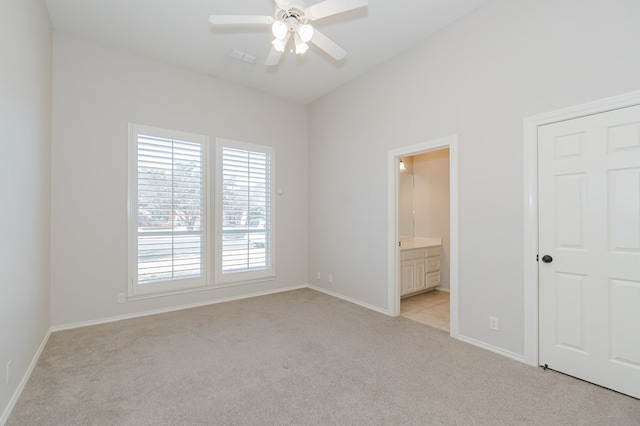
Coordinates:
<point>9,371</point>
<point>494,323</point>
<point>121,298</point>
<point>317,275</point>
<point>330,278</point>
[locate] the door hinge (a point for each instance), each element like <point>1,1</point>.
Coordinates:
<point>399,243</point>
<point>537,258</point>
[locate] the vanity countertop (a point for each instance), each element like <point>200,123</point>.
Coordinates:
<point>415,243</point>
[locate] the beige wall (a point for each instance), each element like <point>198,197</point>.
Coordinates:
<point>25,120</point>
<point>478,78</point>
<point>97,91</point>
<point>406,226</point>
<point>431,203</point>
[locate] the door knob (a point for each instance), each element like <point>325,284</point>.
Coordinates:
<point>547,259</point>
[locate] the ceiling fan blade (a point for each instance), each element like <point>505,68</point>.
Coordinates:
<point>283,4</point>
<point>240,19</point>
<point>273,58</point>
<point>333,7</point>
<point>328,45</point>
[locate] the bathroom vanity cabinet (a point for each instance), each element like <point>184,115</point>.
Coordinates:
<point>419,265</point>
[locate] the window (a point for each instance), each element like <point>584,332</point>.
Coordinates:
<point>168,206</point>
<point>245,191</point>
<point>171,222</point>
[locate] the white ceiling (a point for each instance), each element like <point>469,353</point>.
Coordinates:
<point>178,32</point>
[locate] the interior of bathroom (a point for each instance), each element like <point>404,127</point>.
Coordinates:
<point>424,227</point>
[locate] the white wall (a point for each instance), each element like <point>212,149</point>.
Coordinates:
<point>478,78</point>
<point>96,92</point>
<point>25,120</point>
<point>431,203</point>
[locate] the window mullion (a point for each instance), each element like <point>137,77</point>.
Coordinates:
<point>173,211</point>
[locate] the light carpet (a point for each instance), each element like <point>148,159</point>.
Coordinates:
<point>296,358</point>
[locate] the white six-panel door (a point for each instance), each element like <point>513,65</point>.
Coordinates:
<point>589,224</point>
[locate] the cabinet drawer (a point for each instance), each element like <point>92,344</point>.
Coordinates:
<point>412,254</point>
<point>433,279</point>
<point>433,264</point>
<point>433,251</point>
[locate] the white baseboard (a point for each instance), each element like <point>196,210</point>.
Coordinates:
<point>348,299</point>
<point>494,349</point>
<point>171,309</point>
<point>23,382</point>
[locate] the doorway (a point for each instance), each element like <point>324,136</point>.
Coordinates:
<point>396,272</point>
<point>583,198</point>
<point>423,227</point>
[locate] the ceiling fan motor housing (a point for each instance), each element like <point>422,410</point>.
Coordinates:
<point>292,17</point>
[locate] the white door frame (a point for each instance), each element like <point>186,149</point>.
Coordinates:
<point>393,278</point>
<point>531,125</point>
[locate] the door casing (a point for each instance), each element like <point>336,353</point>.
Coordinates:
<point>531,125</point>
<point>393,278</point>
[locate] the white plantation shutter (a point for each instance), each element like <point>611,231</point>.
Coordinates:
<point>169,208</point>
<point>246,216</point>
<point>171,227</point>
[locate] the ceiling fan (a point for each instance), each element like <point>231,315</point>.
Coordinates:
<point>291,20</point>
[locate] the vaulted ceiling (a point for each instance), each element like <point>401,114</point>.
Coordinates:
<point>179,33</point>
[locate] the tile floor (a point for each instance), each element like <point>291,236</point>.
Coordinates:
<point>430,308</point>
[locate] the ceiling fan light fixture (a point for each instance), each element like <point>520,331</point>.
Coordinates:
<point>278,45</point>
<point>301,46</point>
<point>306,32</point>
<point>279,30</point>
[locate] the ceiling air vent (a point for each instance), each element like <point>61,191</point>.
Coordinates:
<point>242,56</point>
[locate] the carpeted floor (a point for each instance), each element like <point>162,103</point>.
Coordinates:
<point>296,358</point>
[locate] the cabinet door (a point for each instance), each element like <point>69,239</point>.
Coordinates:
<point>408,277</point>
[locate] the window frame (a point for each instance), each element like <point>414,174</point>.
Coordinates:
<point>211,222</point>
<point>245,277</point>
<point>151,289</point>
